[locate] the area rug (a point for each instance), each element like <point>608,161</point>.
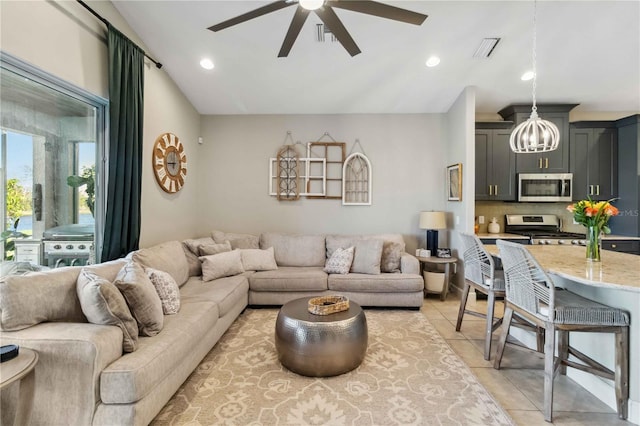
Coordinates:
<point>410,376</point>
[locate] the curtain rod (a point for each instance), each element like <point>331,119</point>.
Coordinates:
<point>107,23</point>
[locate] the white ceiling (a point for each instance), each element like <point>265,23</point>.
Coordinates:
<point>588,53</point>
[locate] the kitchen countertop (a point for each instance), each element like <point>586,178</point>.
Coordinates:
<point>616,271</point>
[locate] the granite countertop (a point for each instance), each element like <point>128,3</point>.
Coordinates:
<point>617,270</point>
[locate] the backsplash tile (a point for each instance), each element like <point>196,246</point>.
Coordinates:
<point>499,209</point>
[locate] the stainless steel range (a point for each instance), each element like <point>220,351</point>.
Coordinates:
<point>542,229</point>
<point>68,245</point>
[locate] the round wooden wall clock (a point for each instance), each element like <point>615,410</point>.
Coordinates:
<point>169,163</point>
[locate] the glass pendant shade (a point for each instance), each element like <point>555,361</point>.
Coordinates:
<point>534,135</point>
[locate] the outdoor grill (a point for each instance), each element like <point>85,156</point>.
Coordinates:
<point>68,245</point>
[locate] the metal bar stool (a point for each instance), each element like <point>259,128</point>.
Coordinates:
<point>480,273</point>
<point>531,293</point>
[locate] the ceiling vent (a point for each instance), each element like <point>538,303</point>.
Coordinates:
<point>324,34</point>
<point>486,47</point>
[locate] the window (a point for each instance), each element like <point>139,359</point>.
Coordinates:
<point>51,179</point>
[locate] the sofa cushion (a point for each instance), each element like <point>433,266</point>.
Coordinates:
<point>141,297</point>
<point>288,278</point>
<point>135,375</point>
<point>258,260</point>
<point>225,292</point>
<point>168,257</point>
<point>221,265</point>
<point>214,248</point>
<point>103,304</point>
<point>340,261</point>
<point>167,290</point>
<point>382,283</point>
<point>27,300</point>
<point>295,250</point>
<point>237,241</point>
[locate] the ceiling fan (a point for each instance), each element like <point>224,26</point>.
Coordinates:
<point>324,10</point>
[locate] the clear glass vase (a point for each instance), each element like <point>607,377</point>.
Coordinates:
<point>594,243</point>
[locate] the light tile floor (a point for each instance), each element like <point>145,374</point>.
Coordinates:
<point>518,385</point>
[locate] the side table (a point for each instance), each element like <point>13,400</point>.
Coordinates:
<point>21,369</point>
<point>446,261</point>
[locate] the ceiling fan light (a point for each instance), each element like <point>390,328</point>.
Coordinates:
<point>534,135</point>
<point>206,63</point>
<point>433,61</point>
<point>311,4</point>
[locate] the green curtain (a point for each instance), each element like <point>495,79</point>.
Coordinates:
<point>126,87</point>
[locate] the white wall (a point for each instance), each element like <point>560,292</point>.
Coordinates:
<point>408,155</point>
<point>65,40</point>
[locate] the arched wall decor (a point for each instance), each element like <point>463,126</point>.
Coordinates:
<point>356,180</point>
<point>288,173</point>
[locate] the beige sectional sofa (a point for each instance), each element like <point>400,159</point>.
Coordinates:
<point>83,377</point>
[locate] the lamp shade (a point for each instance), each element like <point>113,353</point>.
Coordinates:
<point>433,220</point>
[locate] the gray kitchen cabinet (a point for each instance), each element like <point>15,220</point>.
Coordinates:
<point>547,162</point>
<point>628,202</point>
<point>594,160</point>
<point>622,246</point>
<point>495,162</point>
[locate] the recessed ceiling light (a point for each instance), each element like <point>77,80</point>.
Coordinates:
<point>433,61</point>
<point>207,64</point>
<point>311,4</point>
<point>527,76</point>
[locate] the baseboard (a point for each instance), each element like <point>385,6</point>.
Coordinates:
<point>600,388</point>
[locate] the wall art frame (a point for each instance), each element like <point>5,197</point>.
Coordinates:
<point>454,182</point>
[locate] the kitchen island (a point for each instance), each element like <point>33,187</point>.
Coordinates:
<point>615,282</point>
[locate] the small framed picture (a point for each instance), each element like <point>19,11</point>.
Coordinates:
<point>443,252</point>
<point>454,182</point>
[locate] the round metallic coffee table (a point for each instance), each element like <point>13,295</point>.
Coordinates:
<point>320,345</point>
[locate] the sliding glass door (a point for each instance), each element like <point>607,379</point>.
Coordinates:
<point>51,168</point>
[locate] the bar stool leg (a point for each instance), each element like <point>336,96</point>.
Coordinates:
<point>463,304</point>
<point>549,349</point>
<point>563,350</point>
<point>506,324</point>
<point>491,304</point>
<point>622,372</point>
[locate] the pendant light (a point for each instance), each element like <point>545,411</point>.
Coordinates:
<point>534,135</point>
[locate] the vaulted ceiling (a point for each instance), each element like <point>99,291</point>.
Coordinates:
<point>588,52</point>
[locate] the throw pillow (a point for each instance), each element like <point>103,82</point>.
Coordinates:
<point>167,290</point>
<point>141,297</point>
<point>191,252</point>
<point>103,304</point>
<point>258,260</point>
<point>194,244</point>
<point>221,265</point>
<point>340,261</point>
<point>391,254</point>
<point>214,248</point>
<point>367,256</point>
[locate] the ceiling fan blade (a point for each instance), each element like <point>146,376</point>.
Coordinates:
<point>294,29</point>
<point>380,9</point>
<point>271,7</point>
<point>331,20</point>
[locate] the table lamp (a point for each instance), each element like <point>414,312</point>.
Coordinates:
<point>432,221</point>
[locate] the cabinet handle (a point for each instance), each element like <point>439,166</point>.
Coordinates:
<point>546,163</point>
<point>597,189</point>
<point>540,162</point>
<point>590,189</point>
<point>495,192</point>
<point>490,189</point>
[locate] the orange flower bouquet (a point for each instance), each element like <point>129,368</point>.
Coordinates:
<point>594,215</point>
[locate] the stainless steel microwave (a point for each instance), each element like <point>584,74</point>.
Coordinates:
<point>545,187</point>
